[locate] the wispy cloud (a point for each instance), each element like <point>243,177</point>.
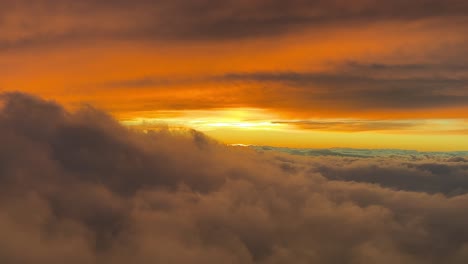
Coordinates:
<point>353,125</point>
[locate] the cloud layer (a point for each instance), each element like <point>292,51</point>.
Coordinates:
<point>77,187</point>
<point>356,91</point>
<point>52,20</point>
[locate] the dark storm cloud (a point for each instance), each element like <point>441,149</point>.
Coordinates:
<point>49,21</point>
<point>80,188</point>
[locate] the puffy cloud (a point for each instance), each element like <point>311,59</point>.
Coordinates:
<point>77,187</point>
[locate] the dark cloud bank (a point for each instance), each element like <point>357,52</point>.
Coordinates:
<point>204,19</point>
<point>359,90</point>
<point>80,188</point>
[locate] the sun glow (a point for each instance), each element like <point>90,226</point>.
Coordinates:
<point>254,126</point>
<point>208,120</point>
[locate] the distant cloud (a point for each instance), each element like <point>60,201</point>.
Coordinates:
<point>357,92</point>
<point>425,175</point>
<point>352,125</point>
<point>352,89</point>
<point>143,82</point>
<point>77,187</point>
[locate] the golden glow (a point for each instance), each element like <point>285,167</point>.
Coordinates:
<point>307,139</point>
<point>250,126</point>
<point>204,120</point>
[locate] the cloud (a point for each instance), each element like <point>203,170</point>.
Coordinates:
<point>408,126</point>
<point>137,83</point>
<point>355,91</point>
<point>351,125</point>
<point>367,59</point>
<point>77,187</point>
<point>452,156</point>
<point>51,20</point>
<point>423,176</point>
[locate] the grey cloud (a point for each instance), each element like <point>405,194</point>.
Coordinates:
<point>353,86</point>
<point>356,91</point>
<point>352,125</point>
<point>206,19</point>
<point>150,81</point>
<point>138,83</point>
<point>77,187</point>
<point>406,67</point>
<point>445,68</point>
<point>458,159</point>
<point>431,172</point>
<point>441,177</point>
<point>452,156</point>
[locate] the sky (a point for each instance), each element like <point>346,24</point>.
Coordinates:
<point>312,74</point>
<point>233,131</point>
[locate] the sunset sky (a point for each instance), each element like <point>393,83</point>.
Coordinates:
<point>234,131</point>
<point>318,74</point>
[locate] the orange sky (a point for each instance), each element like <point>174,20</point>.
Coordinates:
<point>303,74</point>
